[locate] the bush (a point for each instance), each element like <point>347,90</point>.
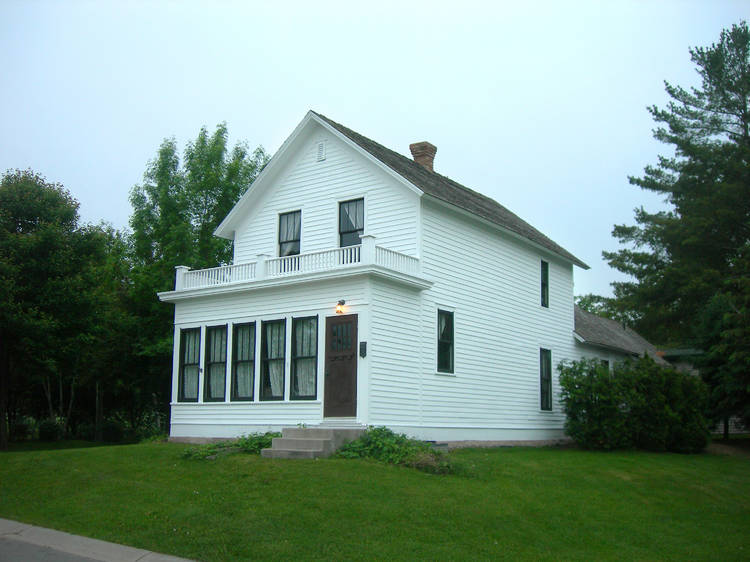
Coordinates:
<point>640,404</point>
<point>22,429</point>
<point>50,430</point>
<point>382,444</point>
<point>251,444</point>
<point>85,431</point>
<point>113,431</point>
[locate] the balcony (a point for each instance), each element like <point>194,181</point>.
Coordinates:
<point>364,258</point>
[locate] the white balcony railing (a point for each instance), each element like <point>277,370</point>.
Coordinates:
<point>309,263</point>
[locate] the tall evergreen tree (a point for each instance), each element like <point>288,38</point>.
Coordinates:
<point>679,258</point>
<point>689,264</point>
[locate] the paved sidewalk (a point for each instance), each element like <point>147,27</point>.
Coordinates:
<point>19,541</point>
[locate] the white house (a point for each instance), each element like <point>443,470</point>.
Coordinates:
<point>367,289</point>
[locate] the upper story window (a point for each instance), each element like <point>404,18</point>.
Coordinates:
<point>545,284</point>
<point>290,228</point>
<point>445,342</point>
<point>351,222</point>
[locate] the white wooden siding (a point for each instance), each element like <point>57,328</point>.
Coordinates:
<point>316,188</point>
<point>492,281</point>
<point>395,323</point>
<point>227,419</point>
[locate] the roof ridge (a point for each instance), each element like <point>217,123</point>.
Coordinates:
<point>446,189</point>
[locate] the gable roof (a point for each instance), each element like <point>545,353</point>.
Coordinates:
<point>449,191</point>
<point>605,332</point>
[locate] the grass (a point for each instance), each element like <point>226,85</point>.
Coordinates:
<point>554,504</point>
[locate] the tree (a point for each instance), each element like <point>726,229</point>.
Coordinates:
<point>681,259</point>
<point>47,275</point>
<point>175,212</point>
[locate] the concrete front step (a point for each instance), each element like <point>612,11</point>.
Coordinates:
<point>309,442</point>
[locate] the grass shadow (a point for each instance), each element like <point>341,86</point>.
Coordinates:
<point>24,446</point>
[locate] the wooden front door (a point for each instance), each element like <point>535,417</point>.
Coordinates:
<point>340,393</point>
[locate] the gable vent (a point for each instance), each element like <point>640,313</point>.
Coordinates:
<point>321,151</point>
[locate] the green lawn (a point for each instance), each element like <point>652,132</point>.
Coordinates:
<point>518,503</point>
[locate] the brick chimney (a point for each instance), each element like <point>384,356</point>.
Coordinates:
<point>423,153</point>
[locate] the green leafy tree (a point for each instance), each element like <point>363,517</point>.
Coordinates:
<point>680,260</point>
<point>48,265</point>
<point>175,212</point>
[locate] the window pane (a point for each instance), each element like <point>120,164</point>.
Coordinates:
<point>304,357</point>
<point>445,341</point>
<point>244,380</point>
<point>304,377</point>
<point>190,382</point>
<point>189,357</point>
<point>351,222</point>
<point>545,284</point>
<point>272,370</point>
<point>545,376</point>
<point>290,226</point>
<point>217,380</point>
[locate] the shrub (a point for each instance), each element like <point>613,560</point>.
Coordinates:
<point>113,431</point>
<point>382,444</point>
<point>640,404</point>
<point>22,429</point>
<point>85,431</point>
<point>50,430</point>
<point>251,444</point>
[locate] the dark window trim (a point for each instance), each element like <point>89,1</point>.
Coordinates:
<point>545,379</point>
<point>181,376</point>
<point>207,365</point>
<point>451,342</point>
<point>234,395</point>
<point>292,393</point>
<point>545,284</point>
<point>264,361</point>
<point>360,230</point>
<point>297,240</point>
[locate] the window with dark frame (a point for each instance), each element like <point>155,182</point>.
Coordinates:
<point>304,358</point>
<point>190,343</point>
<point>290,230</point>
<point>215,371</point>
<point>351,222</point>
<point>545,284</point>
<point>545,379</point>
<point>272,343</point>
<point>445,342</point>
<point>243,361</point>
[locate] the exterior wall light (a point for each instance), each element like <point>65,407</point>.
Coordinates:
<point>340,307</point>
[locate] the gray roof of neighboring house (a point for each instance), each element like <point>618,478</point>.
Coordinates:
<point>604,332</point>
<point>447,190</point>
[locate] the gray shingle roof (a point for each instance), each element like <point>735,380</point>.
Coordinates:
<point>603,332</point>
<point>447,190</point>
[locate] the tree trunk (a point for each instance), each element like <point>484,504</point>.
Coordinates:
<point>98,414</point>
<point>726,429</point>
<point>47,387</point>
<point>4,384</point>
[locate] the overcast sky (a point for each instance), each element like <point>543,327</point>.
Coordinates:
<point>540,105</point>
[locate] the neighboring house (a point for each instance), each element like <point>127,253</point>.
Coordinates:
<point>367,289</point>
<point>610,341</point>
